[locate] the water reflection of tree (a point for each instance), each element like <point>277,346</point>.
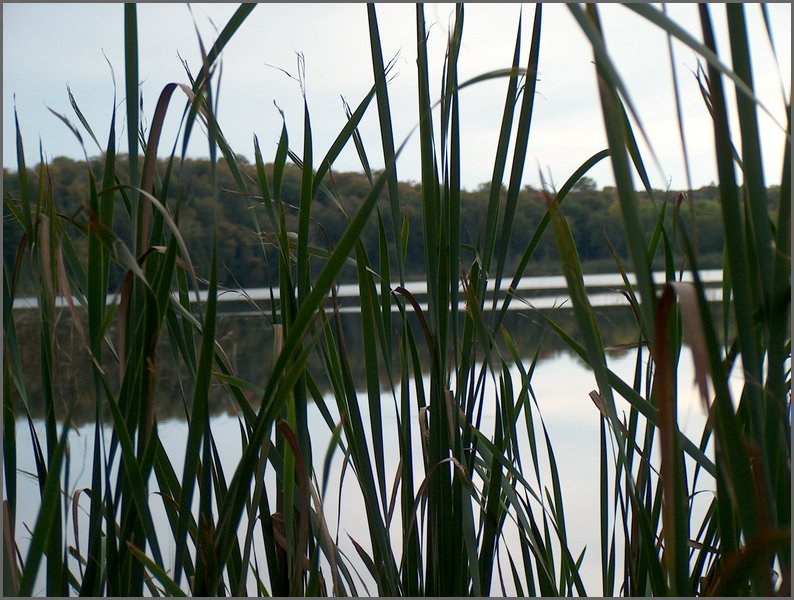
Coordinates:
<point>248,344</point>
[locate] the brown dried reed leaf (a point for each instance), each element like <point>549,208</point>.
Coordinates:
<point>300,558</point>
<point>419,313</point>
<point>693,336</point>
<point>150,160</point>
<point>326,539</point>
<point>424,430</point>
<point>65,290</point>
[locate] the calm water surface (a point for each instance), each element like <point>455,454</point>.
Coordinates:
<point>561,384</point>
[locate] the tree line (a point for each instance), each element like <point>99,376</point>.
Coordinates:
<point>247,258</point>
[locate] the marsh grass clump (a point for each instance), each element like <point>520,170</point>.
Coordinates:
<point>472,508</point>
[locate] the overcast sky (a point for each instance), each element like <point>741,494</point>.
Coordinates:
<point>47,46</point>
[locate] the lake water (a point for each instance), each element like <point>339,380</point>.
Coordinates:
<point>561,384</point>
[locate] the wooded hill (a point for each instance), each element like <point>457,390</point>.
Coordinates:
<point>593,215</point>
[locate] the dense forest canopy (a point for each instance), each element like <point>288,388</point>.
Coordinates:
<point>246,258</point>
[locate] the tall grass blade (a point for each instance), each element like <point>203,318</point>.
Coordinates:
<point>744,304</point>
<point>272,403</point>
<point>131,81</point>
<point>170,586</point>
<point>475,486</point>
<point>47,518</point>
<point>224,37</point>
<point>537,235</point>
<point>752,157</point>
<point>615,124</point>
<point>24,190</point>
<point>487,242</point>
<point>386,131</point>
<point>707,51</point>
<point>198,432</point>
<point>521,143</point>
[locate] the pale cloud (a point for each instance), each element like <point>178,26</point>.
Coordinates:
<point>46,46</point>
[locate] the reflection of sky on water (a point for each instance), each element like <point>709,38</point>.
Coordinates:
<point>546,291</point>
<point>561,384</point>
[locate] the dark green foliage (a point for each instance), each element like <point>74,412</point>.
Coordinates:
<point>593,216</point>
